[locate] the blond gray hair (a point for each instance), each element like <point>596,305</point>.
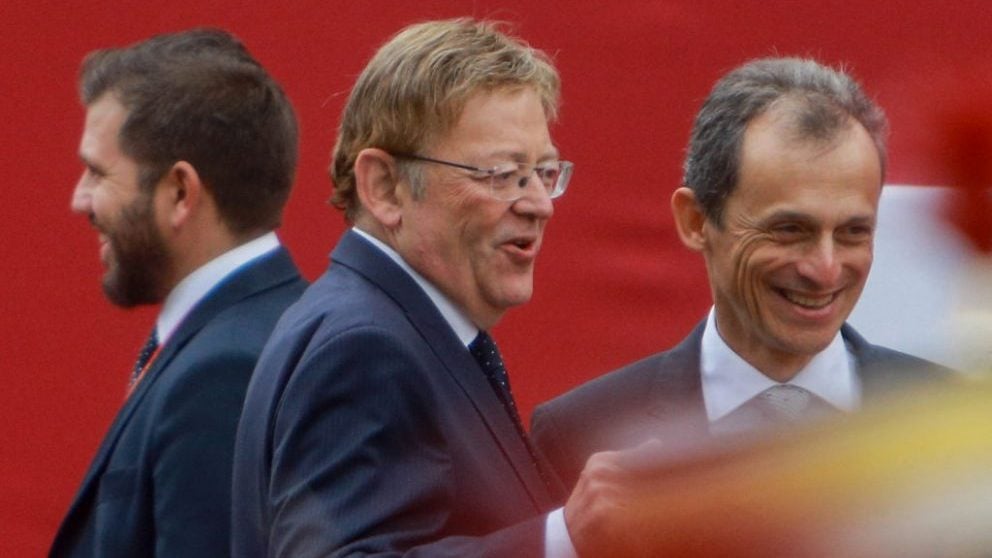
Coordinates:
<point>414,89</point>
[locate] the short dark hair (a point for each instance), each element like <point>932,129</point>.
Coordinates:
<point>199,96</point>
<point>820,100</point>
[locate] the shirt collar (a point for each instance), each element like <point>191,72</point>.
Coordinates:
<point>459,322</point>
<point>195,286</point>
<point>729,381</point>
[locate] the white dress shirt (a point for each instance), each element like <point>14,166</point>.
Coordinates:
<point>195,286</point>
<point>557,543</point>
<point>729,381</point>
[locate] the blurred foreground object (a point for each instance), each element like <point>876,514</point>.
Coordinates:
<point>964,133</point>
<point>909,479</point>
<point>972,317</point>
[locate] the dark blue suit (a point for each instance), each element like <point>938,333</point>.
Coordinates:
<point>369,429</point>
<point>160,482</point>
<point>661,397</point>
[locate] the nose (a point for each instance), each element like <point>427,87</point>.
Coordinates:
<point>820,264</point>
<point>535,201</point>
<point>80,201</point>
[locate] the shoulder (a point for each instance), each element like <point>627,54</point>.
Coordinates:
<point>884,371</point>
<point>595,415</point>
<point>870,355</point>
<point>606,390</point>
<point>672,372</point>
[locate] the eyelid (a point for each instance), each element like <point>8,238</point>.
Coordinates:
<point>860,229</point>
<point>514,166</point>
<point>501,168</point>
<point>787,227</point>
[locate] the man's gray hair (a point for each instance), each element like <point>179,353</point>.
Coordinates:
<point>821,101</point>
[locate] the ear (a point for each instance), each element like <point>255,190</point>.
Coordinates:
<point>689,219</point>
<point>376,184</point>
<point>182,193</point>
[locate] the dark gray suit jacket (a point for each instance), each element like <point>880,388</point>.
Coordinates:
<point>369,429</point>
<point>661,396</point>
<point>160,484</point>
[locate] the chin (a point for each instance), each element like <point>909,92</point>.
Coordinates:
<point>812,344</point>
<point>509,298</point>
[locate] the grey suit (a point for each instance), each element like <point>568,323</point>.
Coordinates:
<point>656,396</point>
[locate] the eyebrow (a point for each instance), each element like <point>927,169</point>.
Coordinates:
<point>787,215</point>
<point>519,156</point>
<point>92,165</point>
<point>791,215</point>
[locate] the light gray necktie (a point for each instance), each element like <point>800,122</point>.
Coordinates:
<point>779,406</point>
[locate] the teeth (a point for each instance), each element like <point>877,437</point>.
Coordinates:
<point>808,301</point>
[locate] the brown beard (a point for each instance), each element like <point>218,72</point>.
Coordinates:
<point>140,257</point>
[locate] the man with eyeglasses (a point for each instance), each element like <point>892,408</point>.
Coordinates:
<point>380,419</point>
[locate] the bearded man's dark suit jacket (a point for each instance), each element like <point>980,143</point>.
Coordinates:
<point>661,397</point>
<point>368,428</point>
<point>160,484</point>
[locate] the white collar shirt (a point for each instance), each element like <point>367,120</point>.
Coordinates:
<point>195,286</point>
<point>463,327</point>
<point>729,381</point>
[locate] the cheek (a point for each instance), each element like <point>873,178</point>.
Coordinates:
<point>751,259</point>
<point>855,274</point>
<point>478,231</point>
<point>860,263</point>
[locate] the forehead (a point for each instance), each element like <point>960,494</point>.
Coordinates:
<point>777,169</point>
<point>506,120</point>
<point>104,118</point>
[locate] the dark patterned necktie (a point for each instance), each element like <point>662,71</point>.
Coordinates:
<point>143,357</point>
<point>779,406</point>
<point>483,348</point>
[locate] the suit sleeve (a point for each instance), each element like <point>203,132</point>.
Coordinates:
<point>194,447</point>
<point>549,439</point>
<point>360,466</point>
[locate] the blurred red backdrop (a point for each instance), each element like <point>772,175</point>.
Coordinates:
<point>613,284</point>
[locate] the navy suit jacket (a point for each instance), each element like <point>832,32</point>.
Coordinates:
<point>661,397</point>
<point>369,429</point>
<point>160,482</point>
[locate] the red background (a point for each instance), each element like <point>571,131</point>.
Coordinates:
<point>613,284</point>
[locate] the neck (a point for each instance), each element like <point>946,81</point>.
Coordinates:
<point>195,251</point>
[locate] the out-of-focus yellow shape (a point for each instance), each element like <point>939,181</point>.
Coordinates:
<point>909,479</point>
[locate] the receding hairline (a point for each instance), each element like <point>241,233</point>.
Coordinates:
<point>787,111</point>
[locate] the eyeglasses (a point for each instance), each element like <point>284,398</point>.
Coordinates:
<point>508,180</point>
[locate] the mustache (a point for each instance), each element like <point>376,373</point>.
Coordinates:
<point>93,222</point>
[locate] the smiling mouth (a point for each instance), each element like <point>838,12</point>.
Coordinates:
<point>810,302</point>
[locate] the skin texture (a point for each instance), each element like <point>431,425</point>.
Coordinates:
<point>790,259</point>
<point>478,250</point>
<point>132,248</point>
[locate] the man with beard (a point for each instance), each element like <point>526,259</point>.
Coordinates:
<point>189,149</point>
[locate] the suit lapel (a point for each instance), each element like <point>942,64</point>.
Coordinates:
<point>367,260</point>
<point>677,390</point>
<point>270,271</point>
<point>876,377</point>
